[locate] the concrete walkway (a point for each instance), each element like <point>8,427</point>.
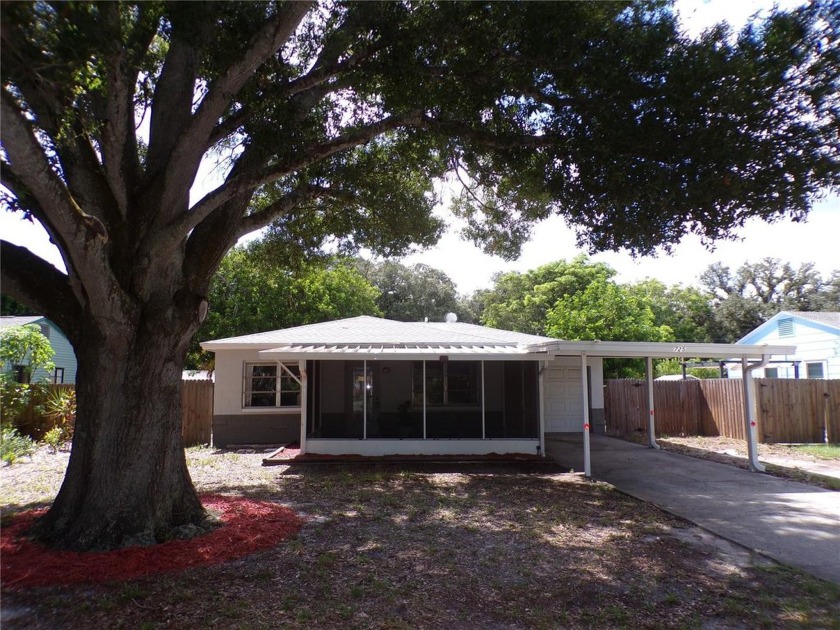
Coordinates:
<point>791,522</point>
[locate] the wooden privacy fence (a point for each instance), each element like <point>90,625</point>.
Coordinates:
<point>788,410</point>
<point>196,409</point>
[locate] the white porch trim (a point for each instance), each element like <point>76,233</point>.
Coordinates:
<point>584,380</point>
<point>304,394</point>
<point>651,407</point>
<point>376,447</point>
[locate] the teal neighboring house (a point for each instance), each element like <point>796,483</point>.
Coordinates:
<point>64,359</point>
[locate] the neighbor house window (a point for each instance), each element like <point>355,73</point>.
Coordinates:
<point>58,375</point>
<point>448,383</point>
<point>271,385</point>
<point>786,327</point>
<point>771,372</point>
<point>22,373</point>
<point>815,370</point>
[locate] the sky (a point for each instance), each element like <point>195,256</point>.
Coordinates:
<point>815,240</point>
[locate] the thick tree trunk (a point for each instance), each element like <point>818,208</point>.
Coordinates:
<point>127,480</point>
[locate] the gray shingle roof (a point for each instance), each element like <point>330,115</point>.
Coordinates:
<point>831,318</point>
<point>18,320</point>
<point>365,330</point>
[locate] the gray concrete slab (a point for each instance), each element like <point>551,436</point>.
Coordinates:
<point>788,521</point>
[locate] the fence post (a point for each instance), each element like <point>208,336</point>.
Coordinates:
<point>651,409</point>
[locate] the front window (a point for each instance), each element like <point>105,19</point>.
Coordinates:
<point>271,385</point>
<point>771,372</point>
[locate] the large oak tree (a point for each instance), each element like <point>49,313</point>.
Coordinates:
<point>331,120</point>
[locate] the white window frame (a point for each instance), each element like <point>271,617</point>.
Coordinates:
<point>282,373</point>
<point>808,365</point>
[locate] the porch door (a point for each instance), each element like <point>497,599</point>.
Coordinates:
<point>563,400</point>
<point>362,388</point>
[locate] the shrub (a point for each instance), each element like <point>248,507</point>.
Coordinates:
<point>22,405</point>
<point>13,445</point>
<point>60,409</point>
<point>54,438</point>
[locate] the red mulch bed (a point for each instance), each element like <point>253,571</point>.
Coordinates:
<point>247,526</point>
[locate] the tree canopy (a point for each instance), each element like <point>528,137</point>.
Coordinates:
<point>329,121</point>
<point>251,293</point>
<point>522,301</point>
<point>605,311</point>
<point>412,293</point>
<point>756,291</point>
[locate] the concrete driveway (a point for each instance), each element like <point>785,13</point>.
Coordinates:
<point>791,522</point>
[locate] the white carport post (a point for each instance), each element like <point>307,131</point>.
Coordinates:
<point>584,380</point>
<point>304,385</point>
<point>750,424</point>
<point>651,428</point>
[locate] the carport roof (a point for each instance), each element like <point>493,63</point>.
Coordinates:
<point>662,350</point>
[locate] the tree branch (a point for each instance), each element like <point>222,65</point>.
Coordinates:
<point>191,143</point>
<point>81,237</point>
<point>30,165</point>
<point>275,210</point>
<point>243,181</point>
<point>119,142</point>
<point>36,283</point>
<point>26,66</point>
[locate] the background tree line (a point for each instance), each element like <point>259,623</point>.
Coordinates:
<point>580,299</point>
<point>576,300</point>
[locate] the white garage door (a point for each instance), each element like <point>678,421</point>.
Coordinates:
<point>563,400</point>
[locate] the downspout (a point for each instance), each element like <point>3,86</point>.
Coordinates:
<point>651,411</point>
<point>750,424</point>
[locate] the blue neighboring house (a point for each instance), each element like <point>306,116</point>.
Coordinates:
<point>64,359</point>
<point>816,336</point>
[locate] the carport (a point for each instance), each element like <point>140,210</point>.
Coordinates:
<point>751,357</point>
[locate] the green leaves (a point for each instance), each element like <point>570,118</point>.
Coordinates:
<point>25,345</point>
<point>605,311</point>
<point>254,292</point>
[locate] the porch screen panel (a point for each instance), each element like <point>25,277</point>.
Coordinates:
<point>517,415</point>
<point>397,415</point>
<point>333,389</point>
<point>453,398</point>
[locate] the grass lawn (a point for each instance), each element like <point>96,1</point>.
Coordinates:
<point>386,547</point>
<point>822,451</point>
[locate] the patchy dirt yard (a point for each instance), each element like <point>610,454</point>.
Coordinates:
<point>432,547</point>
<point>785,460</point>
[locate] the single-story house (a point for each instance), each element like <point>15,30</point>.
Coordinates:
<point>64,359</point>
<point>816,336</point>
<point>371,386</point>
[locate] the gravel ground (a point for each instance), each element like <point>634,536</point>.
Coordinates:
<point>435,547</point>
